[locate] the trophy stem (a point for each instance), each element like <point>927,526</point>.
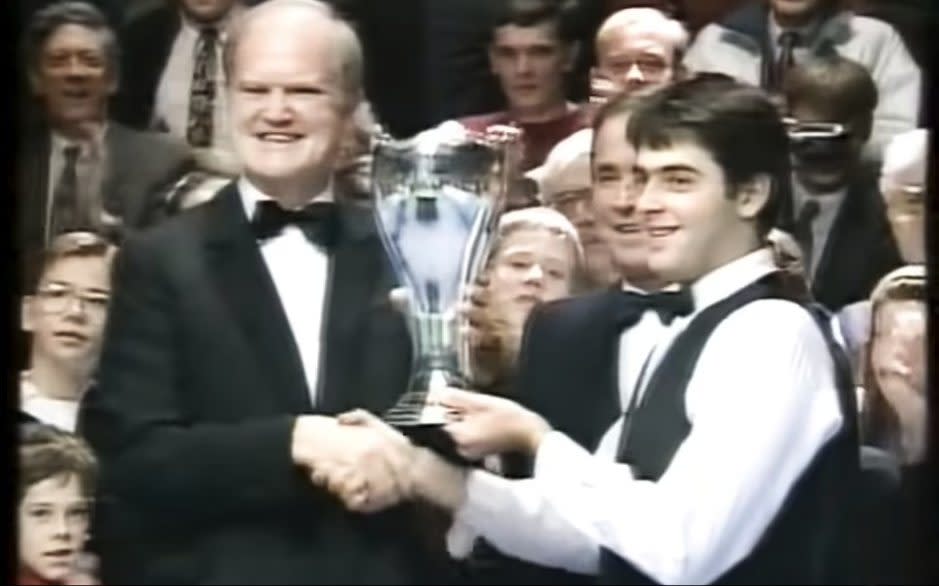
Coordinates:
<point>436,349</point>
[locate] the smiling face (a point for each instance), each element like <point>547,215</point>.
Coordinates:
<point>67,314</point>
<point>531,63</point>
<point>288,102</point>
<point>694,225</point>
<point>615,198</point>
<point>53,526</point>
<point>72,76</point>
<point>532,265</point>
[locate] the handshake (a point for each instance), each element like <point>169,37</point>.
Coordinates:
<point>371,466</point>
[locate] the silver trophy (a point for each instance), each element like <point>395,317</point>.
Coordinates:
<point>437,201</point>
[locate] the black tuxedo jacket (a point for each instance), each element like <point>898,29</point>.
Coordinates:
<point>569,364</point>
<point>860,248</point>
<point>200,382</point>
<point>141,169</point>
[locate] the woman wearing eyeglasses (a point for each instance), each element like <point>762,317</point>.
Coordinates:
<point>65,316</point>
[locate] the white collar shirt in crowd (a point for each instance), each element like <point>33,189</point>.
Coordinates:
<point>300,271</point>
<point>761,406</point>
<point>60,413</point>
<point>828,206</point>
<point>171,107</point>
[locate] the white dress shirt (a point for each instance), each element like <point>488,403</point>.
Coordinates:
<point>761,406</point>
<point>60,413</point>
<point>300,271</point>
<point>171,107</point>
<point>635,346</point>
<point>828,206</point>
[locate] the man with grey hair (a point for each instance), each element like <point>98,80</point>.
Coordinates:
<point>637,48</point>
<point>238,329</point>
<point>78,169</point>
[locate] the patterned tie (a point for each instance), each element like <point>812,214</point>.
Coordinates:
<point>202,92</point>
<point>67,212</point>
<point>788,41</point>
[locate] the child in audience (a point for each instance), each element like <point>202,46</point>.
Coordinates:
<point>65,315</point>
<point>57,477</point>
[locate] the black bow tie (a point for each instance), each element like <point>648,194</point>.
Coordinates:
<point>668,304</point>
<point>318,220</point>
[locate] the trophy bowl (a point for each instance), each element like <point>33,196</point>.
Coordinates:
<point>437,198</point>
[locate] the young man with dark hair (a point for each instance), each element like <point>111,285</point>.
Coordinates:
<point>532,49</point>
<point>760,42</point>
<point>735,448</point>
<point>839,215</point>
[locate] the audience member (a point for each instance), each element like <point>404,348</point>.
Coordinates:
<point>79,169</point>
<point>531,51</point>
<point>895,435</point>
<point>238,329</point>
<point>57,474</point>
<point>903,186</point>
<point>637,48</point>
<point>565,185</point>
<point>839,216</point>
<point>65,316</point>
<point>536,258</point>
<point>175,54</point>
<point>670,510</point>
<point>763,39</point>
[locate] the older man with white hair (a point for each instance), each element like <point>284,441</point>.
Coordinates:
<point>637,48</point>
<point>237,330</point>
<point>903,185</point>
<point>565,184</point>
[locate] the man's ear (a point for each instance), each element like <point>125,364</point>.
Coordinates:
<point>752,196</point>
<point>26,312</point>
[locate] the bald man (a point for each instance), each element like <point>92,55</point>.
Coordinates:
<point>238,329</point>
<point>637,48</point>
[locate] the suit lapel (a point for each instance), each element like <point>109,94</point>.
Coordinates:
<point>34,191</point>
<point>836,268</point>
<point>355,270</point>
<point>246,286</point>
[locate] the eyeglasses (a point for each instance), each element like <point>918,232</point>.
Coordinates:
<point>55,299</point>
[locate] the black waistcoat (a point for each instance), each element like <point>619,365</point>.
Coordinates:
<point>802,544</point>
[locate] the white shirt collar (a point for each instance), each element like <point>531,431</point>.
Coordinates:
<point>59,142</point>
<point>251,195</point>
<point>806,32</point>
<point>731,277</point>
<point>826,199</point>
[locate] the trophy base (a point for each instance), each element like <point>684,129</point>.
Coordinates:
<point>423,424</point>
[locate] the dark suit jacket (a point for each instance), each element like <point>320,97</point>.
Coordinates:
<point>142,167</point>
<point>859,251</point>
<point>146,43</point>
<point>568,366</point>
<point>200,382</point>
